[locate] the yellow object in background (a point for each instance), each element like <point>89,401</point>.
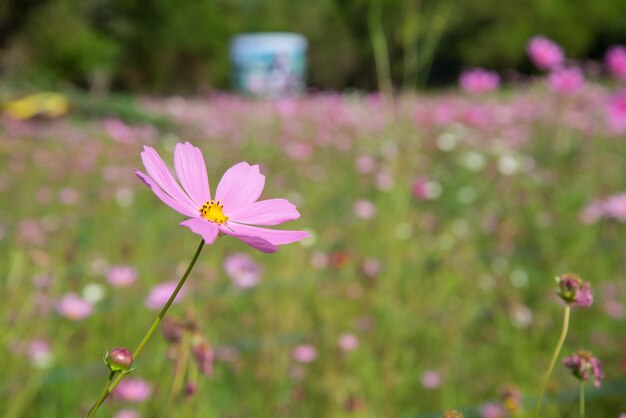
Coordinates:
<point>48,104</point>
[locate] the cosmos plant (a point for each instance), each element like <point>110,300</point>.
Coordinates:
<point>234,210</point>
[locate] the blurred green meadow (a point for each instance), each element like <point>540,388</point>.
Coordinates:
<point>438,223</point>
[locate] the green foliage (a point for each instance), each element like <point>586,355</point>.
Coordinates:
<point>182,45</point>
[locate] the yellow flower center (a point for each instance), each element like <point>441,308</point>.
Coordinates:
<point>212,211</point>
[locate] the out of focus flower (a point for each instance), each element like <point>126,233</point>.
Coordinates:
<point>593,212</point>
<point>616,113</point>
<point>242,270</point>
<point>545,53</point>
<point>615,60</point>
<point>348,342</point>
<point>566,81</point>
<point>615,207</point>
<point>451,413</point>
<point>512,401</point>
<point>479,80</point>
<point>204,356</point>
<point>73,307</point>
<point>492,410</point>
<point>431,379</point>
<point>584,366</point>
<point>121,276</point>
<point>365,164</point>
<point>574,291</point>
<point>364,209</point>
<point>133,390</point>
<point>235,208</point>
<point>371,267</point>
<point>159,295</point>
<point>40,353</point>
<point>127,413</point>
<point>304,353</point>
<point>172,329</point>
<point>424,188</point>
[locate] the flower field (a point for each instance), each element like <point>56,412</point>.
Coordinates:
<point>437,225</point>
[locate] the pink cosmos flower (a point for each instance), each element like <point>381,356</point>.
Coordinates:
<point>127,413</point>
<point>242,270</point>
<point>161,293</point>
<point>431,379</point>
<point>545,53</point>
<point>566,81</point>
<point>478,81</point>
<point>121,276</point>
<point>73,307</point>
<point>133,390</point>
<point>616,113</point>
<point>615,60</point>
<point>233,210</point>
<point>304,353</point>
<point>348,342</point>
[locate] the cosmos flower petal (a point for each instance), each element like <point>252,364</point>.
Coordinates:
<point>265,212</point>
<point>273,236</point>
<point>161,175</point>
<point>240,185</point>
<point>259,244</point>
<point>165,198</point>
<point>191,171</point>
<point>202,227</point>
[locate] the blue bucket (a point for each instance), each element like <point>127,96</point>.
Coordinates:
<point>269,65</point>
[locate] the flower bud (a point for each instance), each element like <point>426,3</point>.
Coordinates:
<point>119,360</point>
<point>584,365</point>
<point>574,291</point>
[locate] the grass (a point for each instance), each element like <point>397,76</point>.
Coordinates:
<point>466,282</point>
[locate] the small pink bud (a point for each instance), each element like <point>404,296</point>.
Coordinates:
<point>119,360</point>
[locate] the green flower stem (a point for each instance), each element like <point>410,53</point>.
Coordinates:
<point>555,356</point>
<point>103,395</point>
<point>109,387</point>
<point>582,399</point>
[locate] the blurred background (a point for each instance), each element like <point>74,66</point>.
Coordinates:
<point>168,46</point>
<point>449,159</point>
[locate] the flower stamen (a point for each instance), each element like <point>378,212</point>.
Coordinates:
<point>212,211</point>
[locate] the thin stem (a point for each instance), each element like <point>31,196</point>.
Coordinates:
<point>582,399</point>
<point>555,356</point>
<point>151,331</point>
<point>102,397</point>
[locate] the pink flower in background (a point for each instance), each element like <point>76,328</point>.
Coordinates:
<point>364,209</point>
<point>593,212</point>
<point>492,410</point>
<point>121,276</point>
<point>431,379</point>
<point>478,81</point>
<point>127,413</point>
<point>615,60</point>
<point>304,353</point>
<point>545,53</point>
<point>40,353</point>
<point>133,390</point>
<point>242,270</point>
<point>566,80</point>
<point>616,113</point>
<point>235,208</point>
<point>348,342</point>
<point>72,306</point>
<point>615,207</point>
<point>159,295</point>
